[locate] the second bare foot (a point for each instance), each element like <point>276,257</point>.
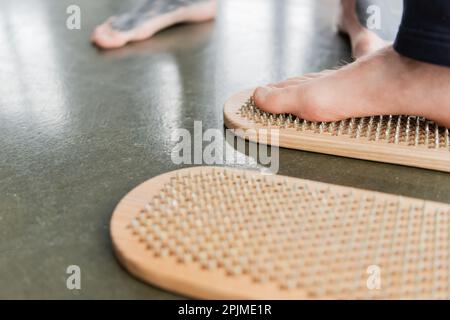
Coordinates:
<point>151,17</point>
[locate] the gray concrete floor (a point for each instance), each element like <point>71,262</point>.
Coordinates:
<point>81,127</point>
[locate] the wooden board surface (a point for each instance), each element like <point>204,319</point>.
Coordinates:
<point>219,233</point>
<point>410,141</point>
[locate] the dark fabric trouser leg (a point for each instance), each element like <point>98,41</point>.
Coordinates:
<point>424,32</point>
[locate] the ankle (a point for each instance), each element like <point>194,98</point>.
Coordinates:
<point>349,23</point>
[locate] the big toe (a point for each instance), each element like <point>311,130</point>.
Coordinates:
<point>105,37</point>
<point>277,100</point>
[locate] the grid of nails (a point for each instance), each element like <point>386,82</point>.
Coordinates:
<point>298,236</point>
<point>403,130</point>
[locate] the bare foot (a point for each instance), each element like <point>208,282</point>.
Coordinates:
<point>363,40</point>
<point>381,83</point>
<point>151,17</point>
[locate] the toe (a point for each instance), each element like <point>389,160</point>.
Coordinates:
<point>278,100</point>
<point>100,32</point>
<point>106,37</point>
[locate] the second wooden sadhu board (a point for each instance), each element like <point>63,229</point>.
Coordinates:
<point>219,233</point>
<point>405,140</point>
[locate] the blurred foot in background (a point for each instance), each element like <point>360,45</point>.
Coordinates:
<point>149,18</point>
